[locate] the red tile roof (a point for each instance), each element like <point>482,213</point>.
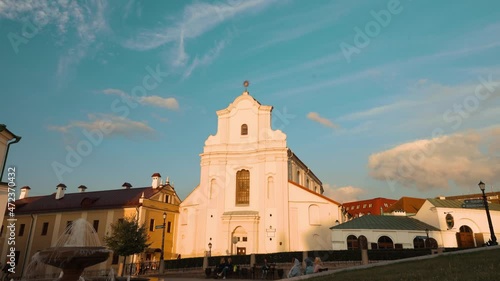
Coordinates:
<point>107,199</point>
<point>370,206</point>
<point>410,205</point>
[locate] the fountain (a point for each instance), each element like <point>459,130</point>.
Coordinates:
<point>78,248</point>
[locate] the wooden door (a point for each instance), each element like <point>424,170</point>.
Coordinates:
<point>241,251</point>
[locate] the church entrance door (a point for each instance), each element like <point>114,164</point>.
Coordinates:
<point>241,251</point>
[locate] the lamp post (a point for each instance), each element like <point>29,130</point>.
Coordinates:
<point>162,262</point>
<point>427,243</point>
<point>210,249</point>
<point>492,232</point>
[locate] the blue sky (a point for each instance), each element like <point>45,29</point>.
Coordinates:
<point>378,98</point>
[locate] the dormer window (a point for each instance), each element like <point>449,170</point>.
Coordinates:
<point>244,130</point>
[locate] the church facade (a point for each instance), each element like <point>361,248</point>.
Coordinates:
<point>255,195</point>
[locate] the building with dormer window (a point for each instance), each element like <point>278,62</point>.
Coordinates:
<point>41,220</point>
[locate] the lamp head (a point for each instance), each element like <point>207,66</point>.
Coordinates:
<point>164,215</point>
<point>482,186</point>
<point>210,245</point>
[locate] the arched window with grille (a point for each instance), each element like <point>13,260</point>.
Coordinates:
<point>244,130</point>
<point>385,242</point>
<point>352,242</point>
<point>243,187</point>
<point>418,243</point>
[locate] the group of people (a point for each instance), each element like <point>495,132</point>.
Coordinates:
<point>311,267</point>
<point>225,267</point>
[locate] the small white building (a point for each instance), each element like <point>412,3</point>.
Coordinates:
<point>383,232</point>
<point>255,195</point>
<point>460,224</point>
<point>443,223</point>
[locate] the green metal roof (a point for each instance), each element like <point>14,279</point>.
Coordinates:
<point>458,204</point>
<point>384,223</point>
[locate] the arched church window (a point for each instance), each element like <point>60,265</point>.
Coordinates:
<point>244,130</point>
<point>270,188</point>
<point>243,187</point>
<point>314,215</point>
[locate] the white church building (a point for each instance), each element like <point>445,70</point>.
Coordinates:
<point>255,195</point>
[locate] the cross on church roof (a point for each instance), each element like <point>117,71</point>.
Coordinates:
<point>246,84</point>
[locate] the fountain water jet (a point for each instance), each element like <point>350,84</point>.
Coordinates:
<point>78,248</point>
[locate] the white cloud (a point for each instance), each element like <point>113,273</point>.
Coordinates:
<point>462,158</point>
<point>109,126</point>
<point>323,121</point>
<point>169,103</point>
<point>343,194</point>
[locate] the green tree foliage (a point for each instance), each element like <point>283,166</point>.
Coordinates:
<point>127,238</point>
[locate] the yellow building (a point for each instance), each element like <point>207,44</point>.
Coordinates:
<point>41,220</point>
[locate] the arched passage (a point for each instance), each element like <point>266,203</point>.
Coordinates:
<point>239,241</point>
<point>465,237</point>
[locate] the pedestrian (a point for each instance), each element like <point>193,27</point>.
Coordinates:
<point>295,270</point>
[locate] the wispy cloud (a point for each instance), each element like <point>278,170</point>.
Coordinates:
<point>372,72</point>
<point>206,59</point>
<point>110,126</point>
<point>375,111</point>
<point>197,19</point>
<point>87,19</point>
<point>314,116</point>
<point>157,101</point>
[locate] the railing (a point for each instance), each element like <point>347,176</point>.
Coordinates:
<point>142,268</point>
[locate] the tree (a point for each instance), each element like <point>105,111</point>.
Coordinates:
<point>127,238</point>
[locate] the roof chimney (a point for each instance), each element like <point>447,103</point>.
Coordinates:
<point>60,191</point>
<point>126,185</point>
<point>156,180</point>
<point>24,192</point>
<point>82,188</point>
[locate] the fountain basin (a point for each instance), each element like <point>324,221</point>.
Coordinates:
<point>73,260</point>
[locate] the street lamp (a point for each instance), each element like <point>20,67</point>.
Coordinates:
<point>427,242</point>
<point>162,263</point>
<point>492,232</point>
<point>210,249</point>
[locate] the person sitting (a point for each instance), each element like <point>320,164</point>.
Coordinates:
<point>224,267</point>
<point>318,265</point>
<point>309,266</point>
<point>265,269</point>
<point>221,268</point>
<point>295,270</point>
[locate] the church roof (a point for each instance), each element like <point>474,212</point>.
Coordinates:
<point>317,194</point>
<point>384,223</point>
<point>107,199</point>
